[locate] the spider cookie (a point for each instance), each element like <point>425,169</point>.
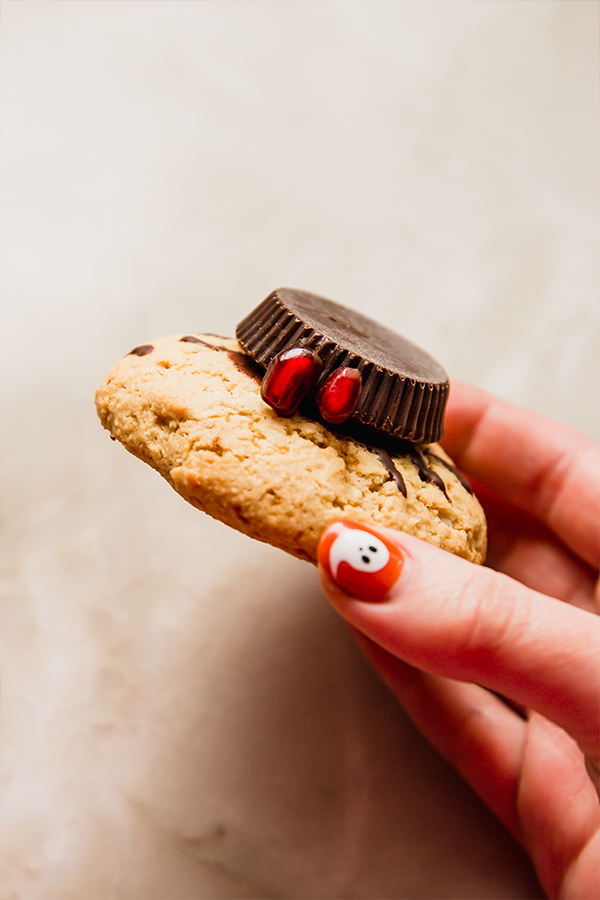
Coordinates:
<point>314,413</point>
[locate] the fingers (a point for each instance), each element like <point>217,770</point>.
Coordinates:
<point>541,466</point>
<point>448,617</point>
<point>525,549</point>
<point>477,733</point>
<point>559,812</point>
<point>531,774</point>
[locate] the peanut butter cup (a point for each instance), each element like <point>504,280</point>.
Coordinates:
<point>403,389</point>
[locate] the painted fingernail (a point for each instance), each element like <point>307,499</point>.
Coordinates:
<point>360,560</point>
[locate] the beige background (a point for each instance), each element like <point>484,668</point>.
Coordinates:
<point>183,716</point>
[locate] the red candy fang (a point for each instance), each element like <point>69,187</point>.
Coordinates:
<point>289,378</point>
<point>339,395</point>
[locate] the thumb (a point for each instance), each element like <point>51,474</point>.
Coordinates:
<point>449,617</point>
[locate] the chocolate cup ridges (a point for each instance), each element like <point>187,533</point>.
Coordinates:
<point>404,390</point>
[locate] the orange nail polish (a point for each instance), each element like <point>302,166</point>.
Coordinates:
<point>360,560</point>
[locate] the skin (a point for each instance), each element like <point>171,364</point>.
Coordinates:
<point>499,666</point>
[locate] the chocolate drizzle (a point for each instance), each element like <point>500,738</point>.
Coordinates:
<point>245,363</point>
<point>455,471</point>
<point>387,447</point>
<point>388,463</point>
<point>190,339</point>
<point>241,360</point>
<point>425,473</point>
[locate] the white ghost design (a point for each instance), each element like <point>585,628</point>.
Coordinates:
<point>359,549</point>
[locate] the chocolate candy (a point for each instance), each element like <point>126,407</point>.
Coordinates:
<point>404,390</point>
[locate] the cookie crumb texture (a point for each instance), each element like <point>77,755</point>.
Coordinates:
<point>191,408</point>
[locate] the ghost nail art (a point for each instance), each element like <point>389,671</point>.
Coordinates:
<point>363,563</point>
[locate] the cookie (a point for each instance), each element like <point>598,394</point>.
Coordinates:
<point>191,408</point>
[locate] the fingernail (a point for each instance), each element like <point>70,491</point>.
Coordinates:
<point>361,560</point>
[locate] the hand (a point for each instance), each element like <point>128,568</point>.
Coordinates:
<point>500,667</point>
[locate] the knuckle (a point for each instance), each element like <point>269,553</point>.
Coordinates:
<point>491,614</point>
